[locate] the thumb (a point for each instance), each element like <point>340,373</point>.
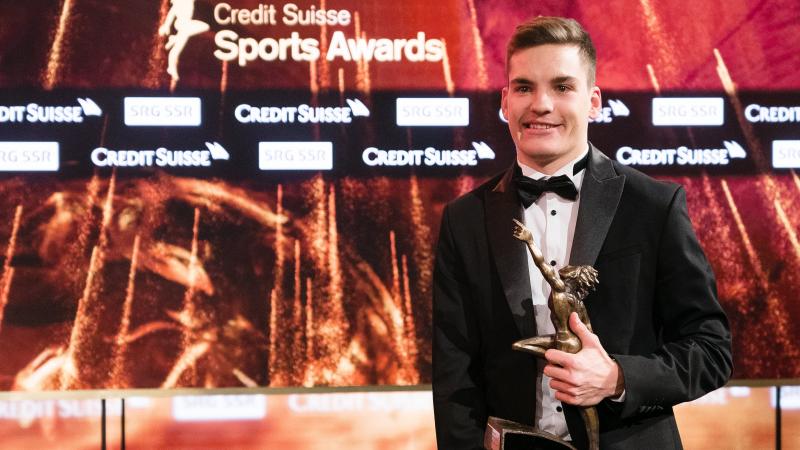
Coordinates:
<point>588,339</point>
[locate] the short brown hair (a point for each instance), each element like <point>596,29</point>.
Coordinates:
<point>553,30</point>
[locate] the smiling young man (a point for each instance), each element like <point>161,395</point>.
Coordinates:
<point>548,100</point>
<point>660,336</point>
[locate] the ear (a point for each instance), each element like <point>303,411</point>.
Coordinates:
<point>504,102</point>
<point>595,102</point>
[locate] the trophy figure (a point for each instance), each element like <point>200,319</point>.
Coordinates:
<point>569,286</point>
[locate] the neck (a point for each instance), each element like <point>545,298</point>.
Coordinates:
<point>548,166</point>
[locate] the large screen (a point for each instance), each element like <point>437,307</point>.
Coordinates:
<point>226,194</point>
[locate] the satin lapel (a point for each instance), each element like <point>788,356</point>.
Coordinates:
<point>576,426</point>
<point>599,196</point>
<point>509,254</point>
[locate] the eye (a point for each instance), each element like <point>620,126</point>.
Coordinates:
<point>522,89</point>
<point>563,88</point>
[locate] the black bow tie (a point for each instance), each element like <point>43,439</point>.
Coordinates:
<point>529,189</point>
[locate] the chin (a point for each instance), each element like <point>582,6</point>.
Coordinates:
<point>541,153</point>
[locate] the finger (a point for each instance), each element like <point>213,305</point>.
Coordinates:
<point>557,373</point>
<point>588,339</point>
<point>566,388</point>
<point>559,358</point>
<point>566,398</point>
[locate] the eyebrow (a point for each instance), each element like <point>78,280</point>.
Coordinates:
<point>556,80</point>
<point>564,79</point>
<point>520,80</point>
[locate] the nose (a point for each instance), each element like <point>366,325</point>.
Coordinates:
<point>541,102</point>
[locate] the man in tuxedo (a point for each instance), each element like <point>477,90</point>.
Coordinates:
<point>660,336</point>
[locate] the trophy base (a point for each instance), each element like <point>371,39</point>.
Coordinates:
<point>504,434</point>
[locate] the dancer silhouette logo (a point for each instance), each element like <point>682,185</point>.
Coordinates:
<point>179,26</point>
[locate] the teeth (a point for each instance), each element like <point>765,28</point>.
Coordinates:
<point>539,126</point>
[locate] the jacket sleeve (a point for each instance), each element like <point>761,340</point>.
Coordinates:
<point>695,353</point>
<point>458,388</point>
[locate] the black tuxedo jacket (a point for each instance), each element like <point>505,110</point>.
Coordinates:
<point>655,310</point>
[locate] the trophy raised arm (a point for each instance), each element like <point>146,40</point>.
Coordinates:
<point>568,287</point>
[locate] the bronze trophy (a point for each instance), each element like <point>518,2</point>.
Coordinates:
<point>569,286</point>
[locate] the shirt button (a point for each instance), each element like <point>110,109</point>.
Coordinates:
<point>559,409</point>
<point>553,212</point>
<point>553,262</point>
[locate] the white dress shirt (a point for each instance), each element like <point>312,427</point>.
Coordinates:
<point>551,220</point>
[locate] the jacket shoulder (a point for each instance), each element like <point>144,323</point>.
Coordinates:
<point>646,188</point>
<point>470,202</point>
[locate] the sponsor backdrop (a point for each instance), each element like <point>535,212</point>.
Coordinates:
<point>222,194</point>
<point>342,420</point>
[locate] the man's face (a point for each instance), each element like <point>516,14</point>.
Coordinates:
<point>548,103</point>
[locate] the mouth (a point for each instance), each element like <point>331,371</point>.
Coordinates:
<point>539,126</point>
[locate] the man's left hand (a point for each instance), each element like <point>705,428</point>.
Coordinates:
<point>587,377</point>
